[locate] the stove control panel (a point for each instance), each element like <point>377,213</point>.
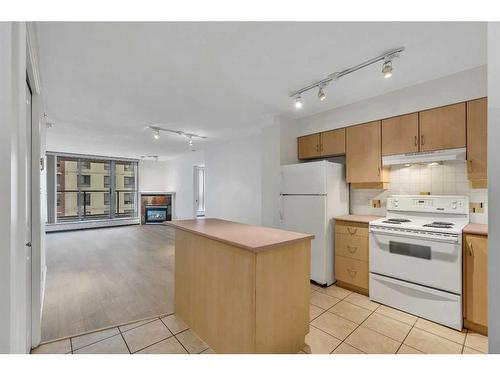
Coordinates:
<point>429,203</point>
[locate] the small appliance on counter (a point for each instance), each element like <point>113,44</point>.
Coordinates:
<point>312,194</point>
<point>416,256</point>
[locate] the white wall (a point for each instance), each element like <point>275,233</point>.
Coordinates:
<point>233,180</point>
<point>462,86</point>
<point>270,173</point>
<point>494,186</point>
<point>180,179</point>
<point>152,176</point>
<point>13,164</point>
<point>288,145</point>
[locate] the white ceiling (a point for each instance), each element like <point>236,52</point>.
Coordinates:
<point>103,83</point>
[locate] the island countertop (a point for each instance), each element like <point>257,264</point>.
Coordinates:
<point>248,237</point>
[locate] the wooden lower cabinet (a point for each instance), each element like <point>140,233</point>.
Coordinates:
<point>475,298</point>
<point>351,255</point>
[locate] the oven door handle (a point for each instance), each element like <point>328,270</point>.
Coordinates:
<point>453,240</point>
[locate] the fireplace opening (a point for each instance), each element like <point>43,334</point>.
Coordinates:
<point>157,214</point>
<point>156,208</point>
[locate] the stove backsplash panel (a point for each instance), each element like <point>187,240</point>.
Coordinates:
<point>442,179</point>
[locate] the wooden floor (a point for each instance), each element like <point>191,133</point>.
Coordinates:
<point>105,277</point>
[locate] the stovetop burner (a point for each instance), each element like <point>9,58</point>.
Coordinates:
<point>439,224</point>
<point>397,221</point>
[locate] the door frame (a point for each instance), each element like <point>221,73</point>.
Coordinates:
<point>196,183</point>
<point>37,164</point>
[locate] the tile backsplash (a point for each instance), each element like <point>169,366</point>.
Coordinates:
<point>449,178</point>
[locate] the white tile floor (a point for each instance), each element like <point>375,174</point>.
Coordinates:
<point>349,322</point>
<point>163,335</point>
<point>341,322</point>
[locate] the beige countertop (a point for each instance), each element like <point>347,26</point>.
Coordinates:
<point>248,237</point>
<point>481,229</point>
<point>358,218</point>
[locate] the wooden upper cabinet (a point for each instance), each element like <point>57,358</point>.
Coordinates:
<point>443,128</point>
<point>476,279</point>
<point>364,153</point>
<point>476,142</point>
<point>309,146</point>
<point>400,134</point>
<point>333,142</point>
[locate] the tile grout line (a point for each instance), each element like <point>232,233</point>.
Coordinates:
<point>175,335</point>
<point>402,342</point>
<point>359,325</point>
<point>125,341</point>
<point>95,342</point>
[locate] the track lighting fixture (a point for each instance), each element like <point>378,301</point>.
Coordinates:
<point>156,133</point>
<point>387,58</point>
<point>321,93</point>
<point>387,69</point>
<point>298,102</point>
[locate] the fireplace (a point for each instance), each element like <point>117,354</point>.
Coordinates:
<point>157,214</point>
<point>156,207</point>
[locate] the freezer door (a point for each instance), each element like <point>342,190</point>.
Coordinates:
<point>304,178</point>
<point>306,214</point>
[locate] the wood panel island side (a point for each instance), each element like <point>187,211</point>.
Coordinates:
<point>242,288</point>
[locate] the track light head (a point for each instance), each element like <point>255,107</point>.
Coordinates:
<point>387,69</point>
<point>321,93</point>
<point>298,102</point>
<point>156,134</point>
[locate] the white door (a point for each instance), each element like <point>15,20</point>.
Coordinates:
<point>306,214</point>
<point>199,191</point>
<point>304,178</point>
<point>27,195</point>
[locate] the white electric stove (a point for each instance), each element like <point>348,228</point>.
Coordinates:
<point>416,256</point>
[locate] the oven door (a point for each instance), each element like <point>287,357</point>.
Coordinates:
<point>433,260</point>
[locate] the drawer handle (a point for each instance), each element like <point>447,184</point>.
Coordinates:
<point>416,141</point>
<point>352,273</point>
<point>352,249</point>
<point>354,230</point>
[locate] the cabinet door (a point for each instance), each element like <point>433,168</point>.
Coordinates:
<point>308,146</point>
<point>476,140</point>
<point>364,153</point>
<point>442,128</point>
<point>333,142</point>
<point>400,134</point>
<point>476,279</point>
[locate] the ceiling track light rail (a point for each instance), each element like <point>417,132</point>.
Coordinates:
<point>321,84</point>
<point>189,136</point>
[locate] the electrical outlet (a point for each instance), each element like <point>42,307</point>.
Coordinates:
<point>375,203</point>
<point>476,207</point>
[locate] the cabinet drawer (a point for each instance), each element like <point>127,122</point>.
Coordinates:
<point>348,246</point>
<point>351,271</point>
<point>351,228</point>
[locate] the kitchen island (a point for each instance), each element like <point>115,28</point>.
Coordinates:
<point>242,288</point>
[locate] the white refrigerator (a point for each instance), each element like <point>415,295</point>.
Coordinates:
<point>312,194</point>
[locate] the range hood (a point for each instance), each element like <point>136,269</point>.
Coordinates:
<point>453,154</point>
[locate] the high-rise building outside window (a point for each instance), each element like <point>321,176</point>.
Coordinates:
<point>88,188</point>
